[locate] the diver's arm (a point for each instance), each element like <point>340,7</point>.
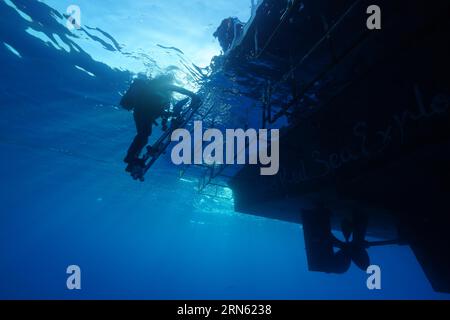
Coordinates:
<point>183,91</point>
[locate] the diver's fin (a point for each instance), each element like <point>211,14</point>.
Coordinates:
<point>136,169</point>
<point>138,173</point>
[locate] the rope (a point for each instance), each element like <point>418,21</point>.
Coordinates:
<point>315,46</point>
<point>284,17</point>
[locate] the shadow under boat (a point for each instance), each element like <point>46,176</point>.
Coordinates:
<point>369,139</point>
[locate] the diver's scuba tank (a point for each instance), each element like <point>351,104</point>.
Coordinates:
<point>148,95</point>
<point>131,97</point>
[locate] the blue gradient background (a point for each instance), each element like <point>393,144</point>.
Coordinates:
<point>66,200</point>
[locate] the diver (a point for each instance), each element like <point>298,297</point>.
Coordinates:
<point>150,99</point>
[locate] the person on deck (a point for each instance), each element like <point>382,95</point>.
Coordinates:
<point>229,30</point>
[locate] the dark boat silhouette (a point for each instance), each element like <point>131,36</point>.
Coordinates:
<point>365,118</point>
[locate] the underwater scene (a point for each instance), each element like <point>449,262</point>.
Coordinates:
<point>224,149</point>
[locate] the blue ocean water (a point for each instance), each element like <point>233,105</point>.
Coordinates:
<point>65,198</point>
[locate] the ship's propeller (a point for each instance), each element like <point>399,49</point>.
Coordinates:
<point>354,248</point>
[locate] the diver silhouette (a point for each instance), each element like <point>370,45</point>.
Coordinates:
<point>150,99</point>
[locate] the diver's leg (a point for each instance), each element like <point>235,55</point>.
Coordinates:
<point>144,130</point>
<point>139,142</point>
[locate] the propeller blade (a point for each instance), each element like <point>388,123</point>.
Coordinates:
<point>360,258</point>
<point>347,229</point>
<point>342,261</point>
<point>360,222</point>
